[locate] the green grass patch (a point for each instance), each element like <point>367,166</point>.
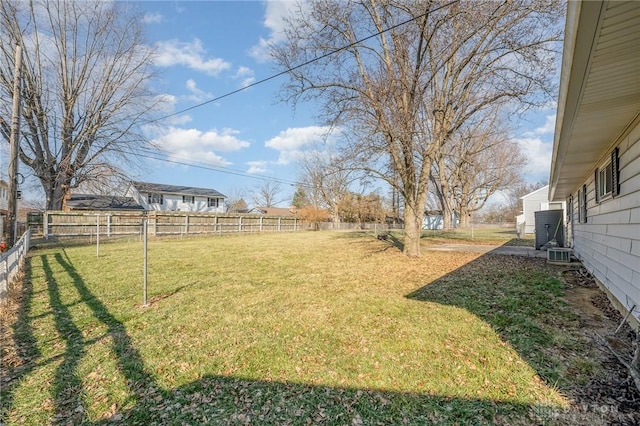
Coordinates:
<point>305,328</point>
<point>478,235</point>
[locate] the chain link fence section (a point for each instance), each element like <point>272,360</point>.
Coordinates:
<point>11,262</point>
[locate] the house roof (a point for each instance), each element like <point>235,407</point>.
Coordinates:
<point>174,189</point>
<point>599,99</point>
<point>532,193</point>
<point>101,202</point>
<point>273,211</point>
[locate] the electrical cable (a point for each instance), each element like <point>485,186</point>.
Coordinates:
<point>310,61</point>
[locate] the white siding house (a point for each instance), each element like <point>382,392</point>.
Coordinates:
<point>596,153</point>
<point>4,204</point>
<point>433,220</point>
<point>153,196</point>
<point>4,196</point>
<point>535,201</point>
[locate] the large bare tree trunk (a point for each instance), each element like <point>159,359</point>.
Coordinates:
<point>412,233</point>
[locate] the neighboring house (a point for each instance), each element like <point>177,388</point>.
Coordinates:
<point>535,201</point>
<point>273,211</point>
<point>79,202</point>
<point>4,206</point>
<point>433,220</point>
<point>4,196</point>
<point>596,152</point>
<point>153,196</point>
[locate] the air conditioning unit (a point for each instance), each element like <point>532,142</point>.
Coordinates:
<point>558,255</point>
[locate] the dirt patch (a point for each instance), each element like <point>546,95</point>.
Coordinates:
<point>610,397</point>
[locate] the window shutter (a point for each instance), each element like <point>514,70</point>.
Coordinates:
<point>615,172</point>
<point>597,192</point>
<point>584,205</point>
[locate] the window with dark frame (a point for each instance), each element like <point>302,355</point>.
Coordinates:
<point>155,198</point>
<point>190,199</point>
<point>213,202</point>
<point>604,181</point>
<point>607,178</point>
<point>582,204</point>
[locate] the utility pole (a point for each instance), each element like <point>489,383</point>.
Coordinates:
<point>14,143</point>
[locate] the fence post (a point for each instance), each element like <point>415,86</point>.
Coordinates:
<point>45,225</point>
<point>108,225</point>
<point>155,224</point>
<point>145,227</point>
<point>240,224</point>
<point>98,235</point>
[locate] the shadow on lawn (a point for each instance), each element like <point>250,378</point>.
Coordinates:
<point>518,296</point>
<point>26,346</point>
<point>228,400</point>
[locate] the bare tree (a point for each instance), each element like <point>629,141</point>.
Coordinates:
<point>84,90</point>
<point>326,180</point>
<point>269,194</point>
<point>359,208</point>
<point>428,68</point>
<point>313,216</point>
<point>480,161</point>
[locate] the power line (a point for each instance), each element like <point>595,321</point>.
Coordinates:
<point>310,61</point>
<point>157,155</point>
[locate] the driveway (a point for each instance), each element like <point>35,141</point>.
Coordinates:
<point>492,248</point>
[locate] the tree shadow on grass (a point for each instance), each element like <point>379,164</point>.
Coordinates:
<point>26,348</point>
<point>217,400</point>
<point>67,387</point>
<point>518,296</point>
<point>220,400</point>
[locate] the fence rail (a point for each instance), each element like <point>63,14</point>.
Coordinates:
<point>11,263</point>
<point>72,224</point>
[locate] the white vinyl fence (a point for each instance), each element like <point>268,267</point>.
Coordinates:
<point>11,262</point>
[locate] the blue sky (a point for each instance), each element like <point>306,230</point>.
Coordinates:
<point>207,49</point>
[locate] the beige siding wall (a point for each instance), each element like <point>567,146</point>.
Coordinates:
<point>609,243</point>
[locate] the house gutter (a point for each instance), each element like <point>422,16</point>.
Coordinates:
<point>582,25</point>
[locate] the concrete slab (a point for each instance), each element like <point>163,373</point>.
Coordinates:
<point>493,249</point>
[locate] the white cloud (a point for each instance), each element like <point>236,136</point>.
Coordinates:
<point>291,141</point>
<point>257,166</point>
<point>539,154</point>
<point>548,127</point>
<point>166,102</point>
<point>195,145</point>
<point>192,55</point>
<point>152,18</point>
<point>166,105</point>
<point>246,76</point>
<point>274,20</point>
<point>196,95</point>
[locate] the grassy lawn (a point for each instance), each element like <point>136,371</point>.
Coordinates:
<point>481,235</point>
<point>306,328</point>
